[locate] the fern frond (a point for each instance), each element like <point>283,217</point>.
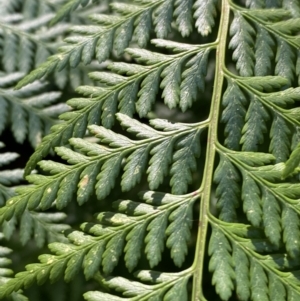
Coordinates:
<point>252,208</point>
<point>292,163</point>
<point>70,6</point>
<point>23,47</point>
<point>163,285</point>
<point>6,273</point>
<point>242,43</point>
<point>8,177</point>
<point>101,247</point>
<point>29,112</point>
<point>234,257</point>
<point>122,92</point>
<point>261,194</point>
<point>26,40</point>
<point>88,172</point>
<point>131,22</point>
<point>270,27</point>
<point>42,226</point>
<point>252,133</point>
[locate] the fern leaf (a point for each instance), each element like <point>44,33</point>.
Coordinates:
<point>89,114</point>
<point>242,43</point>
<point>99,296</point>
<point>62,186</point>
<point>6,273</point>
<point>252,138</point>
<point>115,232</point>
<point>280,132</point>
<point>233,115</point>
<point>68,8</point>
<point>271,218</point>
<point>239,179</point>
<point>292,163</point>
<point>241,264</point>
<point>285,55</point>
<point>42,226</point>
<point>221,264</point>
<point>290,225</point>
<point>205,12</point>
<point>287,27</point>
<point>185,156</point>
<point>134,244</point>
<point>115,34</point>
<point>155,238</point>
<point>251,201</point>
<point>29,106</point>
<point>227,194</point>
<point>175,291</point>
<point>27,40</point>
<point>159,163</point>
<point>179,232</point>
<point>258,282</point>
<point>264,45</point>
<point>15,37</point>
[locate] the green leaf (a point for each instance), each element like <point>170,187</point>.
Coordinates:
<point>92,260</point>
<point>241,264</point>
<point>251,200</point>
<point>284,57</point>
<point>112,253</point>
<point>228,190</point>
<point>188,149</point>
<point>66,190</point>
<point>242,44</point>
<point>205,12</point>
<point>178,291</point>
<point>292,163</point>
<point>183,13</point>
<point>276,289</point>
<point>159,163</point>
<point>221,264</point>
<point>87,183</point>
<point>73,266</point>
<point>178,232</point>
<point>155,239</point>
<point>271,218</point>
<point>287,26</point>
<point>290,228</point>
<point>264,52</point>
<point>134,245</point>
<point>134,168</point>
<point>255,126</point>
<point>258,282</point>
<point>233,115</point>
<point>147,93</point>
<point>99,296</point>
<point>280,142</point>
<point>170,84</point>
<point>143,116</point>
<point>193,79</point>
<point>107,176</point>
<point>163,19</point>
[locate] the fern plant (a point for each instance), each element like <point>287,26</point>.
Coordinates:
<point>213,194</point>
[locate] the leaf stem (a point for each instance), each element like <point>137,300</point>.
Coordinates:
<point>198,264</point>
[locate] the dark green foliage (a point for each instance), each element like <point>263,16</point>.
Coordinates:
<point>191,103</point>
<point>28,112</point>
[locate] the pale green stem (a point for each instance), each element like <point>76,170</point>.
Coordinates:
<point>211,150</point>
